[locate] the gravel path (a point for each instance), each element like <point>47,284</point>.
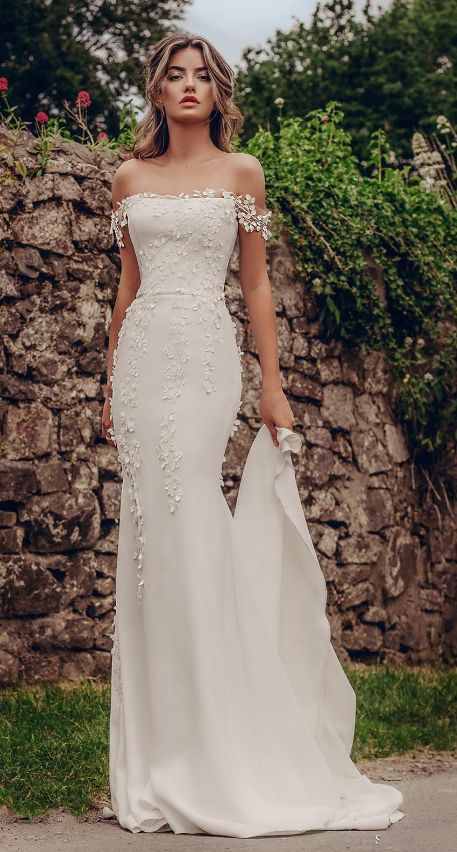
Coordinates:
<point>428,782</point>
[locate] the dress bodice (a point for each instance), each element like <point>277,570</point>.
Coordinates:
<point>184,242</point>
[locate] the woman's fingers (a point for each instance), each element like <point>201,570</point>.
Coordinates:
<point>288,423</point>
<point>107,424</point>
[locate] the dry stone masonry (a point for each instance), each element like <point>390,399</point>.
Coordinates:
<point>389,560</point>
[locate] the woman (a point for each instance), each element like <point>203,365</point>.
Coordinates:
<point>230,712</point>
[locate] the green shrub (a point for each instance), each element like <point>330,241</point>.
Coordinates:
<point>379,253</point>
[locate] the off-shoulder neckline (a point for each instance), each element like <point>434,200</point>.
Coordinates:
<point>194,193</point>
<point>244,205</point>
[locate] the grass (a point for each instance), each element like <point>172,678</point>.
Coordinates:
<point>53,747</point>
<point>54,739</point>
<point>401,709</point>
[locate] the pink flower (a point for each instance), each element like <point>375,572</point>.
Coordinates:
<point>83,99</point>
<point>325,118</point>
<point>102,135</point>
<point>41,118</point>
<point>3,84</point>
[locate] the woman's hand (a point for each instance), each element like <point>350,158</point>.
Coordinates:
<point>107,423</point>
<point>275,411</point>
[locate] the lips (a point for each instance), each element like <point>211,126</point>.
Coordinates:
<point>189,101</point>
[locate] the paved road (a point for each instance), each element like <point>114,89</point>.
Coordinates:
<point>429,785</point>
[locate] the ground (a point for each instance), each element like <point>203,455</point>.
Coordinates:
<point>428,782</point>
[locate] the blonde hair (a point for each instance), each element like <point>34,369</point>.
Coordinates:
<point>151,133</point>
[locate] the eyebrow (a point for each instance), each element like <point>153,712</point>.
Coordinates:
<point>180,68</point>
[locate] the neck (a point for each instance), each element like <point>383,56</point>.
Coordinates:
<point>188,144</point>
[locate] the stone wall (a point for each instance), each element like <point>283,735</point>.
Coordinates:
<point>389,561</point>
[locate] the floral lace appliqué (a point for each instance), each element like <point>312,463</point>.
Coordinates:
<point>245,208</point>
<point>124,436</point>
<point>116,677</point>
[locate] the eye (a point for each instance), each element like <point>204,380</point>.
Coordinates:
<point>201,77</point>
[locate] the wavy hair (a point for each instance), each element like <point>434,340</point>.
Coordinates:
<point>151,133</point>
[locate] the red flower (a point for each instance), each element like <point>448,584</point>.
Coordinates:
<point>102,135</point>
<point>3,84</point>
<point>41,118</point>
<point>325,118</point>
<point>83,99</point>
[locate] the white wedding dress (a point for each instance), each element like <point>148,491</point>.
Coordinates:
<point>230,712</point>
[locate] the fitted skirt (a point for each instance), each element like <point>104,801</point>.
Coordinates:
<point>230,712</point>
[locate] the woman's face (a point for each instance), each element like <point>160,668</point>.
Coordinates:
<point>187,76</point>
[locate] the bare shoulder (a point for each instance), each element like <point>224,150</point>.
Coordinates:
<point>249,176</point>
<point>123,176</point>
<point>247,164</point>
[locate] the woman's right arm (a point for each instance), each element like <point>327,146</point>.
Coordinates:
<point>129,283</point>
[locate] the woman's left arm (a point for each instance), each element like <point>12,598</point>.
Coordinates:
<point>255,284</point>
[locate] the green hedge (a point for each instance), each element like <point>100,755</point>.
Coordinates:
<point>379,252</point>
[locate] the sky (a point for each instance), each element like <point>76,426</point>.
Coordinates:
<point>232,25</point>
